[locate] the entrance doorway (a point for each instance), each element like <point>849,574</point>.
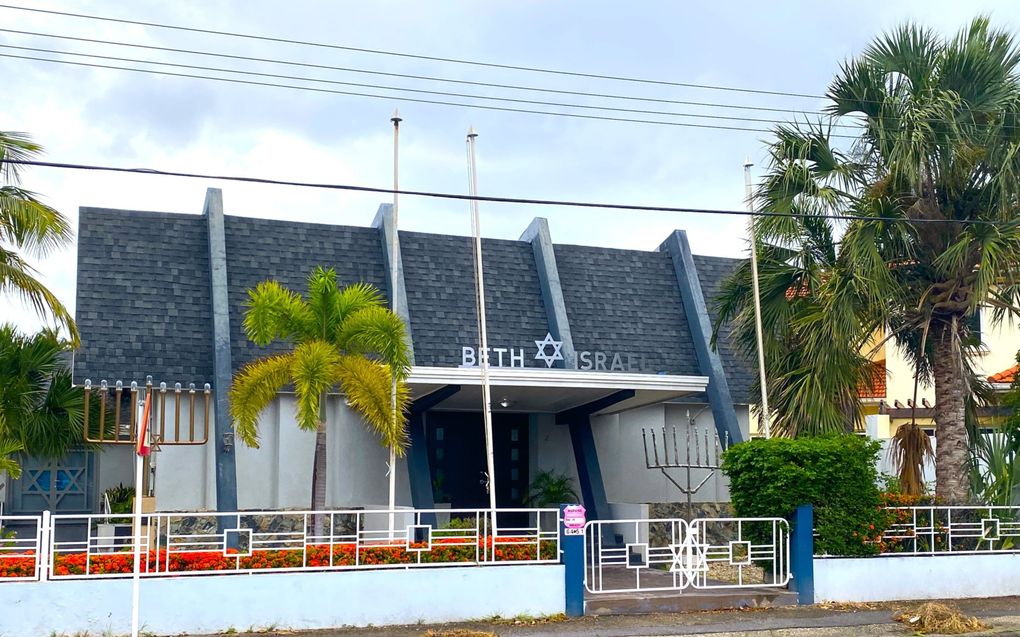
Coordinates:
<point>456,448</point>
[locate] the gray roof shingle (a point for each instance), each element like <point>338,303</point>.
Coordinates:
<point>143,294</point>
<point>627,302</point>
<point>713,271</point>
<point>143,297</point>
<point>288,251</point>
<point>439,277</point>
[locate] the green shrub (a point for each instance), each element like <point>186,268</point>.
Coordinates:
<point>836,474</point>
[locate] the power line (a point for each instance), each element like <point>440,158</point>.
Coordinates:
<point>489,199</point>
<point>345,69</point>
<point>406,89</point>
<point>396,97</point>
<point>432,58</point>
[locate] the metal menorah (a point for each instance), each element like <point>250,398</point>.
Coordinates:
<point>702,451</point>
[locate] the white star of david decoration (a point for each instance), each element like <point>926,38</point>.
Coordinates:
<point>689,558</point>
<point>544,355</point>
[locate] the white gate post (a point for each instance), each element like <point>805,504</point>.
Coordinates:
<point>43,538</point>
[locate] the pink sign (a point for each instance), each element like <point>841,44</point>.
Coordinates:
<point>573,517</point>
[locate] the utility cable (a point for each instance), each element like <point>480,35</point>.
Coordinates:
<point>490,199</point>
<point>432,58</point>
<point>347,69</point>
<point>406,89</point>
<point>396,97</point>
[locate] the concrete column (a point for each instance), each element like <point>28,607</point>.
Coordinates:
<point>700,324</point>
<point>540,239</point>
<point>383,222</point>
<point>223,440</point>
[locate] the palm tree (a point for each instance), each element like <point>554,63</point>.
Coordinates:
<point>29,226</point>
<point>41,412</point>
<point>931,179</point>
<point>341,337</point>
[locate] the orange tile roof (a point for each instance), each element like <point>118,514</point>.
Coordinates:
<point>876,385</point>
<point>1005,376</point>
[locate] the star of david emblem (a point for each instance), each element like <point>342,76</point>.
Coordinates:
<point>689,558</point>
<point>543,353</point>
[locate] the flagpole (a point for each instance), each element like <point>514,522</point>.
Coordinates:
<point>392,469</point>
<point>483,355</point>
<point>141,450</point>
<point>766,415</point>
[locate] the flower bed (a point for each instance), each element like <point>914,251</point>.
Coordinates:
<point>443,551</point>
<point>17,564</point>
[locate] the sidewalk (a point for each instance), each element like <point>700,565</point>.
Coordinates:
<point>873,620</point>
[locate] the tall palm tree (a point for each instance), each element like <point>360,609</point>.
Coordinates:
<point>40,410</point>
<point>342,338</point>
<point>932,175</point>
<point>31,227</point>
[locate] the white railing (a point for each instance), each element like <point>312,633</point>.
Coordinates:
<point>673,554</point>
<point>286,541</point>
<point>21,541</point>
<point>927,530</point>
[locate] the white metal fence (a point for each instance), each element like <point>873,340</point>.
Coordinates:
<point>102,546</point>
<point>927,530</point>
<point>21,538</point>
<point>673,554</point>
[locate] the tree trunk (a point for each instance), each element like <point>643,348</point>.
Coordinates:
<point>951,453</point>
<point>319,478</point>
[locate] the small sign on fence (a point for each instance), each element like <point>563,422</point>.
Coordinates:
<point>573,520</point>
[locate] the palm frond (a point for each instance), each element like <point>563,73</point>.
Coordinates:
<point>16,146</point>
<point>30,225</point>
<point>253,388</point>
<point>377,330</point>
<point>274,312</point>
<point>9,448</point>
<point>315,370</point>
<point>17,278</point>
<point>368,385</point>
<point>354,298</point>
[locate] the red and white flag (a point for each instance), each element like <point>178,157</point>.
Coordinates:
<point>143,447</point>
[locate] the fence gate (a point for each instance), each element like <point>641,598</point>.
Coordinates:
<point>674,554</point>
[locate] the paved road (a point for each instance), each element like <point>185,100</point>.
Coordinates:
<point>1003,614</point>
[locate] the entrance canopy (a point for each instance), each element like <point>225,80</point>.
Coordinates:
<point>536,390</point>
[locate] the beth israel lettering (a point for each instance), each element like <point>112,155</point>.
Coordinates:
<point>549,351</point>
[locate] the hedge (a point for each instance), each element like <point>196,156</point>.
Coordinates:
<point>771,478</point>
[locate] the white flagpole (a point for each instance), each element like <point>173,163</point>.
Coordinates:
<point>766,415</point>
<point>136,577</point>
<point>483,355</point>
<point>392,469</point>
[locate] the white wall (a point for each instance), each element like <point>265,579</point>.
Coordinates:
<point>550,448</point>
<point>284,601</point>
<point>879,579</point>
<point>115,466</point>
<point>622,456</point>
<point>621,452</point>
<point>278,475</point>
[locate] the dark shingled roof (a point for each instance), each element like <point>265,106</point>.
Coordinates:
<point>288,251</point>
<point>713,271</point>
<point>143,294</point>
<point>627,302</point>
<point>143,297</point>
<point>439,278</point>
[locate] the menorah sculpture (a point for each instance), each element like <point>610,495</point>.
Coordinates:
<point>703,452</point>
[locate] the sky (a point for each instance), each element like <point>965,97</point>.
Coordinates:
<point>126,119</point>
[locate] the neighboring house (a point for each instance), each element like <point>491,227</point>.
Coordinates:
<point>589,347</point>
<point>892,397</point>
<point>1004,380</point>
